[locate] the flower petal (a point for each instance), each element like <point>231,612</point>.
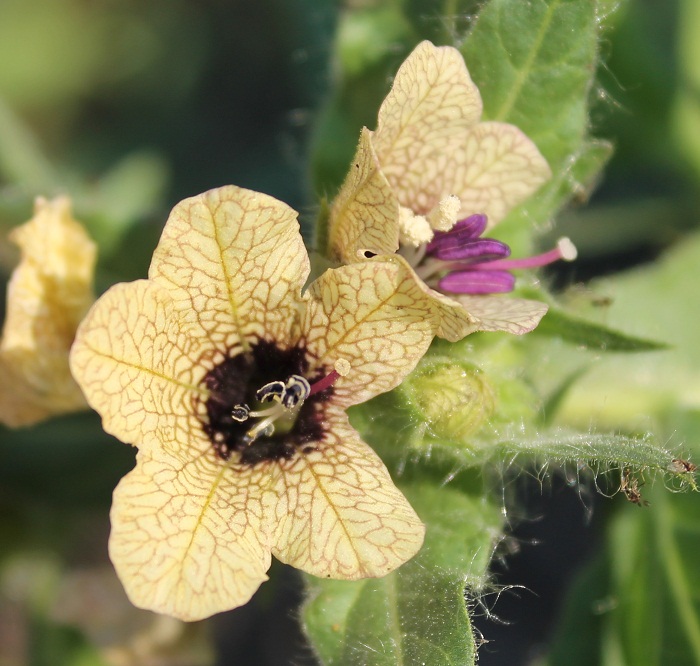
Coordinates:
<point>48,294</point>
<point>429,109</point>
<point>374,316</point>
<point>235,262</point>
<point>453,321</point>
<point>339,514</point>
<point>365,212</point>
<point>35,388</point>
<point>186,538</point>
<point>492,169</point>
<point>140,367</point>
<point>500,313</point>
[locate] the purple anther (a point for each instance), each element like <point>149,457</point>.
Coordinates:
<point>450,247</point>
<point>464,230</point>
<point>474,225</point>
<point>477,282</point>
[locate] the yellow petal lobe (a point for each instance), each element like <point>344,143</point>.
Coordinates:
<point>186,538</point>
<point>140,366</point>
<point>431,105</point>
<point>363,215</point>
<point>497,313</point>
<point>375,316</point>
<point>48,294</point>
<point>234,261</point>
<point>339,513</point>
<point>492,170</point>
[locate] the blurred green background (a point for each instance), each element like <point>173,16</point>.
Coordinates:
<point>131,106</point>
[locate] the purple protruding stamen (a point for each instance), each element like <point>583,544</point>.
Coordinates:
<point>473,265</point>
<point>474,225</point>
<point>477,282</point>
<point>463,231</point>
<point>453,248</point>
<point>565,250</point>
<point>462,243</point>
<point>323,383</point>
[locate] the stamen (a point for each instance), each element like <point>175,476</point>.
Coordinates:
<point>240,413</point>
<point>340,369</point>
<point>414,230</point>
<point>413,255</point>
<point>477,282</point>
<point>275,409</point>
<point>288,397</point>
<point>271,391</point>
<point>296,391</point>
<point>444,216</point>
<point>565,250</point>
<point>454,248</point>
<point>264,428</point>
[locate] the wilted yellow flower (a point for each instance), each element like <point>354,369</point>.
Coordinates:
<point>233,384</point>
<point>49,293</point>
<point>427,183</point>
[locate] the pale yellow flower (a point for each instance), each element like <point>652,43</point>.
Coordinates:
<point>49,293</point>
<point>180,365</point>
<point>429,164</point>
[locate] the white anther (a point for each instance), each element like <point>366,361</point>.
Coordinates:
<point>414,230</point>
<point>444,216</point>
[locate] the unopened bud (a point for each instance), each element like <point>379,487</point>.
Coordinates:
<point>454,399</point>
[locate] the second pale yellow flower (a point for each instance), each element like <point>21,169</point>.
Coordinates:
<point>430,163</point>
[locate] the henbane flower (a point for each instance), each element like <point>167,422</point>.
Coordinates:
<point>233,385</point>
<point>428,182</point>
<point>49,293</point>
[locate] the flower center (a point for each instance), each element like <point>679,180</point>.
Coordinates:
<point>288,397</point>
<point>459,261</point>
<point>252,413</point>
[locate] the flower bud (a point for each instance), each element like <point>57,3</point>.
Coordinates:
<point>454,399</point>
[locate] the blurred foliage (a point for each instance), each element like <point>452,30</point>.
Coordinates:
<point>131,106</point>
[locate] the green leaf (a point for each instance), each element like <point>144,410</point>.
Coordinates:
<point>416,615</point>
<point>649,615</point>
<point>651,302</point>
<point>21,158</point>
<point>687,111</point>
<point>653,617</point>
<point>591,335</point>
<point>556,397</point>
<point>131,190</point>
<point>441,21</point>
<point>367,54</point>
<point>535,63</point>
<point>577,638</point>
